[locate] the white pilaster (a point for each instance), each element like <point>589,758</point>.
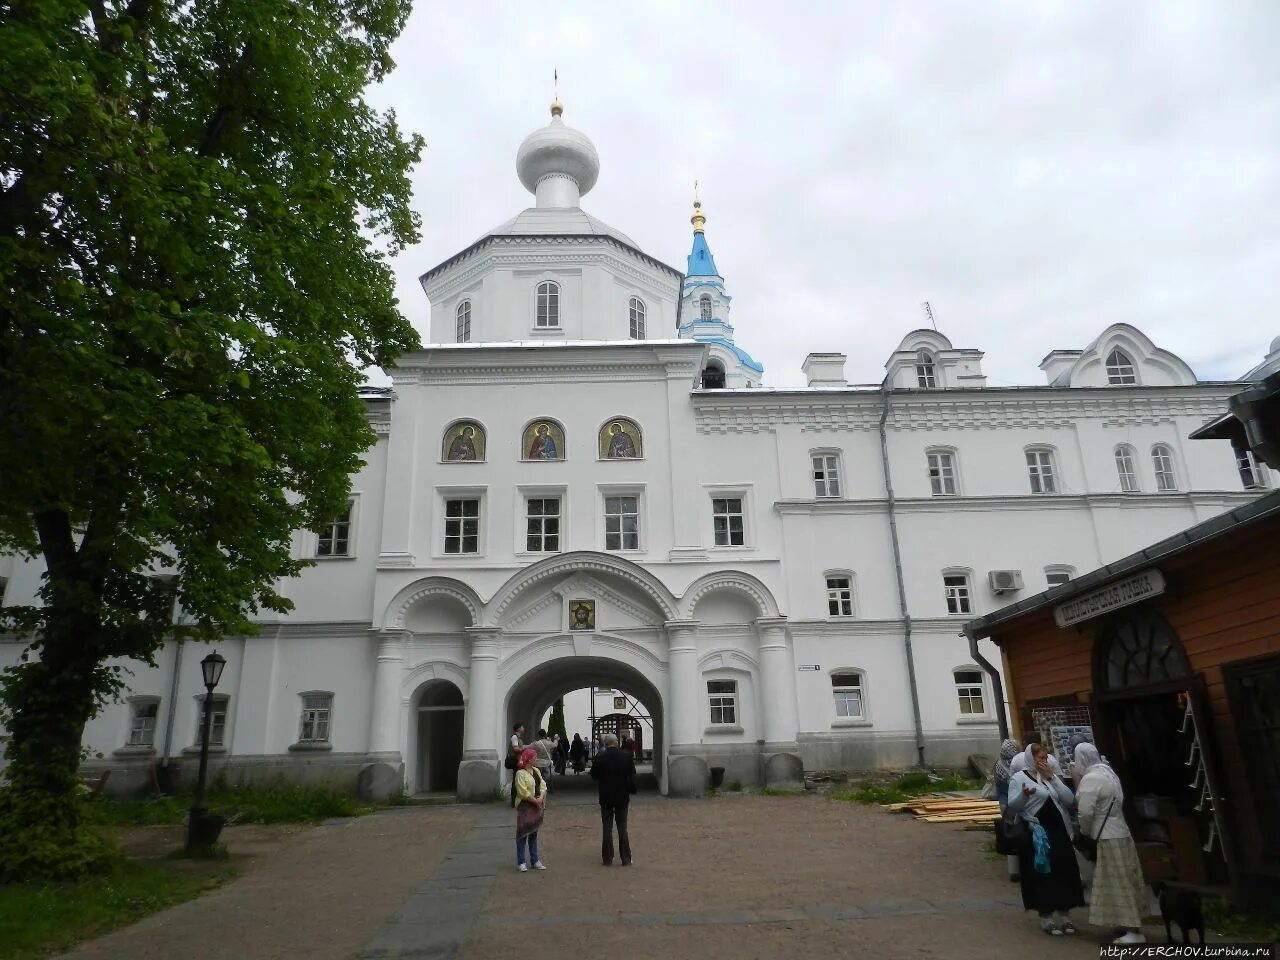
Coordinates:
<point>480,734</point>
<point>777,682</point>
<point>682,678</point>
<point>384,724</point>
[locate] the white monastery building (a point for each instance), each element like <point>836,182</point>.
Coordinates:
<point>583,480</point>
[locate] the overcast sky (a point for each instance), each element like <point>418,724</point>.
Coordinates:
<point>1035,171</point>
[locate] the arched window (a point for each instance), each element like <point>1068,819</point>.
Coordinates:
<point>462,321</point>
<point>704,307</point>
<point>635,311</point>
<point>548,304</point>
<point>543,439</point>
<point>1124,469</point>
<point>1162,461</point>
<point>970,692</point>
<point>464,441</point>
<point>848,691</point>
<point>925,377</point>
<point>713,376</point>
<point>1120,369</point>
<point>1139,651</point>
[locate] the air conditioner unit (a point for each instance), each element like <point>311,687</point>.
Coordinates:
<point>1005,581</point>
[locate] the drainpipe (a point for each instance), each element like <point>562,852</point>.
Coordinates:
<point>897,567</point>
<point>997,687</point>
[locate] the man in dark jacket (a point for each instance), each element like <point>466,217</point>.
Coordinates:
<point>614,771</point>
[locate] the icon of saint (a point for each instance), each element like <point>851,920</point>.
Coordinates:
<point>463,446</point>
<point>544,445</point>
<point>620,443</point>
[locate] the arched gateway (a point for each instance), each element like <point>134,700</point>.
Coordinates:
<point>570,621</point>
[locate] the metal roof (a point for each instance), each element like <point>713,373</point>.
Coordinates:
<point>557,222</point>
<point>1257,511</point>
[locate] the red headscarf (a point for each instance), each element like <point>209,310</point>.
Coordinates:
<point>527,757</point>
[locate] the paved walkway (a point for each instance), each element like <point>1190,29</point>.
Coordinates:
<point>734,877</point>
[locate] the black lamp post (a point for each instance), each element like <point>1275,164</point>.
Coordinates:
<point>198,829</point>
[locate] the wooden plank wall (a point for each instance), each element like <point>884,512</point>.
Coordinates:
<point>1223,602</point>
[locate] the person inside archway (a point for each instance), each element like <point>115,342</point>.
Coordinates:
<point>545,748</point>
<point>615,774</point>
<point>578,754</point>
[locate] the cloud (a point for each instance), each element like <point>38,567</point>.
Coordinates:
<point>1035,171</point>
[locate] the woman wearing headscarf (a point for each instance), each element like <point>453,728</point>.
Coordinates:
<point>1047,862</point>
<point>1000,774</point>
<point>578,754</point>
<point>528,796</point>
<point>1119,891</point>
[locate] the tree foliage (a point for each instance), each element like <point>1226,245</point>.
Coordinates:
<point>197,210</point>
<point>556,723</point>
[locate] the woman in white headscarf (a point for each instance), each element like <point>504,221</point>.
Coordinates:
<point>1119,891</point>
<point>1047,862</point>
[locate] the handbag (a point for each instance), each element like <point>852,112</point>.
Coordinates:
<point>1011,835</point>
<point>1087,845</point>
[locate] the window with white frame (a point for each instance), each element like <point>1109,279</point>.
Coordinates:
<point>942,473</point>
<point>317,712</point>
<point>1120,369</point>
<point>846,690</point>
<point>839,595</point>
<point>462,321</point>
<point>969,692</point>
<point>622,522</point>
<point>704,307</point>
<point>4,584</point>
<point>462,525</point>
<point>1040,471</point>
<point>143,712</point>
<point>926,379</point>
<point>542,529</point>
<point>217,719</point>
<point>335,538</point>
<point>958,592</point>
<point>727,521</point>
<point>1253,475</point>
<point>635,316</point>
<point>1056,576</point>
<point>1125,469</point>
<point>826,474</point>
<point>1162,463</point>
<point>723,697</point>
<point>548,310</point>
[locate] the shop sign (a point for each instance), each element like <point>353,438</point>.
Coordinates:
<point>810,666</point>
<point>1135,589</point>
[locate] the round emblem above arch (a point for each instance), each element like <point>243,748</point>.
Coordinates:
<point>1137,649</point>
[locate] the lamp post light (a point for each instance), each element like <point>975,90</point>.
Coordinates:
<point>199,824</point>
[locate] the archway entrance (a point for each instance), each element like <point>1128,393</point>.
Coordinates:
<point>439,731</point>
<point>538,689</point>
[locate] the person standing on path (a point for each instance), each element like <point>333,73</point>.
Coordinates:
<point>1119,891</point>
<point>529,798</point>
<point>517,739</point>
<point>546,749</point>
<point>615,774</point>
<point>578,754</point>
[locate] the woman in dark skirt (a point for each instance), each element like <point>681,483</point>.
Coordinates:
<point>1047,864</point>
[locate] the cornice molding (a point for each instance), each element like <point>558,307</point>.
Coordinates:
<point>1027,501</point>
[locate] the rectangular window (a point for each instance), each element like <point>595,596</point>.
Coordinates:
<point>726,516</point>
<point>315,717</point>
<point>1055,578</point>
<point>1251,472</point>
<point>335,538</point>
<point>217,720</point>
<point>957,587</point>
<point>826,475</point>
<point>462,526</point>
<point>542,533</point>
<point>1040,470</point>
<point>142,727</point>
<point>840,596</point>
<point>621,523</point>
<point>942,474</point>
<point>846,688</point>
<point>723,695</point>
<point>969,691</point>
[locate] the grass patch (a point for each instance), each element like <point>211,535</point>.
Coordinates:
<point>735,786</point>
<point>1260,923</point>
<point>285,803</point>
<point>905,787</point>
<point>39,919</point>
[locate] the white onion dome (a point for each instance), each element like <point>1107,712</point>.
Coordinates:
<point>557,164</point>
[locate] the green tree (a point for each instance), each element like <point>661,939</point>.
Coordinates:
<point>197,211</point>
<point>556,723</point>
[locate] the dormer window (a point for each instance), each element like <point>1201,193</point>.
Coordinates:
<point>926,379</point>
<point>713,376</point>
<point>635,312</point>
<point>1120,369</point>
<point>462,318</point>
<point>548,304</point>
<point>704,307</point>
